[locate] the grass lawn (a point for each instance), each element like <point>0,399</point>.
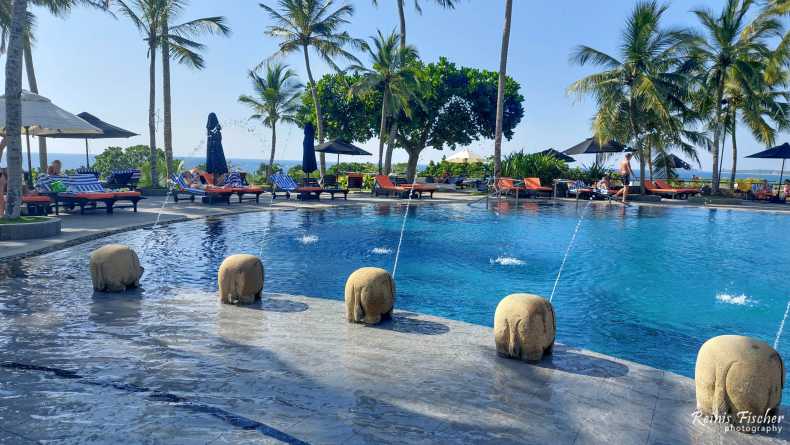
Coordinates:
<point>23,220</point>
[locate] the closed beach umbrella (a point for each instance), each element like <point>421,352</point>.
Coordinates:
<point>40,117</point>
<point>464,156</point>
<point>308,150</point>
<point>215,154</point>
<point>779,152</point>
<point>557,155</point>
<point>591,146</point>
<point>108,131</point>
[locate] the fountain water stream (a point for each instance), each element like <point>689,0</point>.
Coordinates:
<point>568,250</point>
<point>403,226</point>
<point>781,326</point>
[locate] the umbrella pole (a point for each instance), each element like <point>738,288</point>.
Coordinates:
<point>87,157</point>
<point>781,174</point>
<point>29,161</point>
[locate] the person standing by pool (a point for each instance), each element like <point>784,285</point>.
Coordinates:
<point>626,173</point>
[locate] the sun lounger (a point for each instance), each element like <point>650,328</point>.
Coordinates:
<point>287,185</point>
<point>120,179</point>
<point>235,181</point>
<point>508,185</point>
<point>580,190</point>
<point>330,185</point>
<point>533,186</point>
<point>662,188</point>
<point>37,204</point>
<point>383,185</point>
<point>209,195</point>
<point>85,190</point>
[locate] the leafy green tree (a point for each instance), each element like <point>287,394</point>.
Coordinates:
<point>731,50</point>
<point>391,73</point>
<point>117,158</point>
<point>345,116</point>
<point>458,106</point>
<point>177,42</point>
<point>276,99</point>
<point>304,24</point>
<point>642,88</point>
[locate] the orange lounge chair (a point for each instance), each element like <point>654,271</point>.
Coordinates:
<point>421,188</point>
<point>37,204</point>
<point>384,186</point>
<point>533,185</point>
<point>507,185</point>
<point>661,188</point>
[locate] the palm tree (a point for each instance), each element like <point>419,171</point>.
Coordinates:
<point>730,51</point>
<point>500,96</point>
<point>389,73</point>
<point>276,99</point>
<point>304,24</point>
<point>146,16</point>
<point>760,107</point>
<point>59,8</point>
<point>13,117</point>
<point>177,42</point>
<point>645,87</point>
<point>447,4</point>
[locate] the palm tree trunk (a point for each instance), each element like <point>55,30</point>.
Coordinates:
<point>717,139</point>
<point>650,162</point>
<point>271,155</point>
<point>152,106</point>
<point>166,100</point>
<point>33,85</point>
<point>734,156</point>
<point>639,145</point>
<point>13,111</point>
<point>402,17</point>
<point>500,98</point>
<point>318,118</point>
<point>382,129</point>
<point>390,147</point>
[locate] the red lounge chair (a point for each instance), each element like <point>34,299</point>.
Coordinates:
<point>421,188</point>
<point>661,188</point>
<point>37,204</point>
<point>533,185</point>
<point>507,185</point>
<point>384,186</point>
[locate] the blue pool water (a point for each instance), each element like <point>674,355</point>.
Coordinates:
<point>646,284</point>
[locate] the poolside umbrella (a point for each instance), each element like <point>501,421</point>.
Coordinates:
<point>464,156</point>
<point>40,117</point>
<point>215,155</point>
<point>341,147</point>
<point>308,150</point>
<point>109,131</point>
<point>557,155</point>
<point>591,146</point>
<point>779,152</point>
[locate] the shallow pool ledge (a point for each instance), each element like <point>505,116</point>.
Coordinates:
<point>423,378</point>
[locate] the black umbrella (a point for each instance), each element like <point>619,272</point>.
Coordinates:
<point>215,155</point>
<point>591,146</point>
<point>308,150</point>
<point>557,155</point>
<point>109,131</point>
<point>779,152</point>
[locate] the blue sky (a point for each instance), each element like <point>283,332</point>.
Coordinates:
<point>93,62</point>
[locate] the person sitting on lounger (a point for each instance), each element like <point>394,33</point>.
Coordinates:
<point>55,168</point>
<point>192,179</point>
<point>786,188</point>
<point>603,185</point>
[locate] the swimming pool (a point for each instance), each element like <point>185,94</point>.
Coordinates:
<point>648,284</point>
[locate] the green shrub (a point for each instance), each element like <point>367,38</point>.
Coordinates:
<point>359,167</point>
<point>469,170</point>
<point>534,165</point>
